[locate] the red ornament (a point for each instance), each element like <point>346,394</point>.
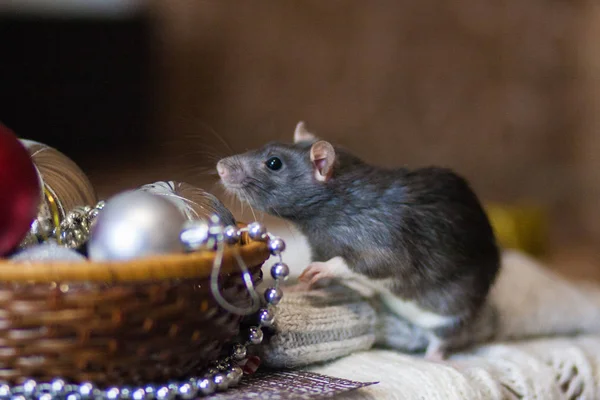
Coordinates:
<point>20,191</point>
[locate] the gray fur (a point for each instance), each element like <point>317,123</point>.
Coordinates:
<point>425,228</point>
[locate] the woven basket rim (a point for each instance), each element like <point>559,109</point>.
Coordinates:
<point>159,267</point>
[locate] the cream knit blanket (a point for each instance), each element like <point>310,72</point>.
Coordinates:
<point>531,326</point>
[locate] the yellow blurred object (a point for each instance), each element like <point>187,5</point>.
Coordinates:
<point>522,228</point>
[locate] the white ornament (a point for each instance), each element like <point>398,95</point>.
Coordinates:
<point>48,251</point>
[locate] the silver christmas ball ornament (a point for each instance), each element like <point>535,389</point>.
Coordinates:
<point>206,386</point>
<point>194,235</point>
<point>135,224</point>
<point>45,396</point>
<point>4,391</point>
<point>86,390</point>
<point>273,295</point>
<point>112,393</point>
<point>125,393</point>
<point>73,396</point>
<point>255,335</point>
<point>276,246</point>
<point>48,251</point>
<point>266,317</point>
<point>234,375</point>
<point>150,392</point>
<point>232,234</point>
<point>187,391</point>
<point>29,386</point>
<point>221,381</point>
<point>257,231</point>
<point>163,393</point>
<point>138,394</point>
<point>239,352</point>
<point>57,386</point>
<point>280,271</point>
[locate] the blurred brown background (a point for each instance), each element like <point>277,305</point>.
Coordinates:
<point>506,92</point>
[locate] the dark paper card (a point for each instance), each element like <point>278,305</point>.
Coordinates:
<point>289,385</point>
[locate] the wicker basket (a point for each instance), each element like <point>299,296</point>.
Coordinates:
<point>147,320</point>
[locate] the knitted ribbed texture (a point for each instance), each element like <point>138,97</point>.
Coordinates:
<point>542,369</point>
<point>528,301</point>
<point>320,325</point>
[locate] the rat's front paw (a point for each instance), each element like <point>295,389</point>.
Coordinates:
<point>317,274</point>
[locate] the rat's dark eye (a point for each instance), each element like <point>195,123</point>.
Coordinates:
<point>274,163</point>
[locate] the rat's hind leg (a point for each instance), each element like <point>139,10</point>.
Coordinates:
<point>443,339</point>
<point>322,272</point>
<point>436,349</point>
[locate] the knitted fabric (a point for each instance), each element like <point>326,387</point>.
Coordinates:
<point>527,302</point>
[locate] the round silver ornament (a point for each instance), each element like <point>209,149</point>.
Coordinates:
<point>29,386</point>
<point>255,335</point>
<point>45,396</point>
<point>150,391</point>
<point>232,234</point>
<point>187,391</point>
<point>73,396</point>
<point>266,317</point>
<point>135,224</point>
<point>112,393</point>
<point>276,246</point>
<point>273,295</point>
<point>138,394</point>
<point>4,391</point>
<point>49,251</point>
<point>163,393</point>
<point>221,381</point>
<point>173,388</point>
<point>234,375</point>
<point>257,231</point>
<point>125,393</point>
<point>280,271</point>
<point>86,389</point>
<point>206,386</point>
<point>57,386</point>
<point>239,352</point>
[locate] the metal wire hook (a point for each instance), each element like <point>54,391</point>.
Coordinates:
<point>214,280</point>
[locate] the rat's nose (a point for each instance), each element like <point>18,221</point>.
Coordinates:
<point>222,169</point>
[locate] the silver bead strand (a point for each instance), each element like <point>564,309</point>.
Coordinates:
<point>227,372</point>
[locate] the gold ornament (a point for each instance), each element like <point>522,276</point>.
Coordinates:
<point>64,188</point>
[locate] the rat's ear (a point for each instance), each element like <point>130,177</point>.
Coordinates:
<point>322,156</point>
<point>301,134</point>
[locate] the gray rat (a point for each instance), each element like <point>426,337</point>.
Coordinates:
<point>419,237</point>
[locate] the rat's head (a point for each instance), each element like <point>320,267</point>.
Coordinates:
<point>281,179</point>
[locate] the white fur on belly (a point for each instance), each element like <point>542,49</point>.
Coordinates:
<point>411,311</point>
<point>408,310</point>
